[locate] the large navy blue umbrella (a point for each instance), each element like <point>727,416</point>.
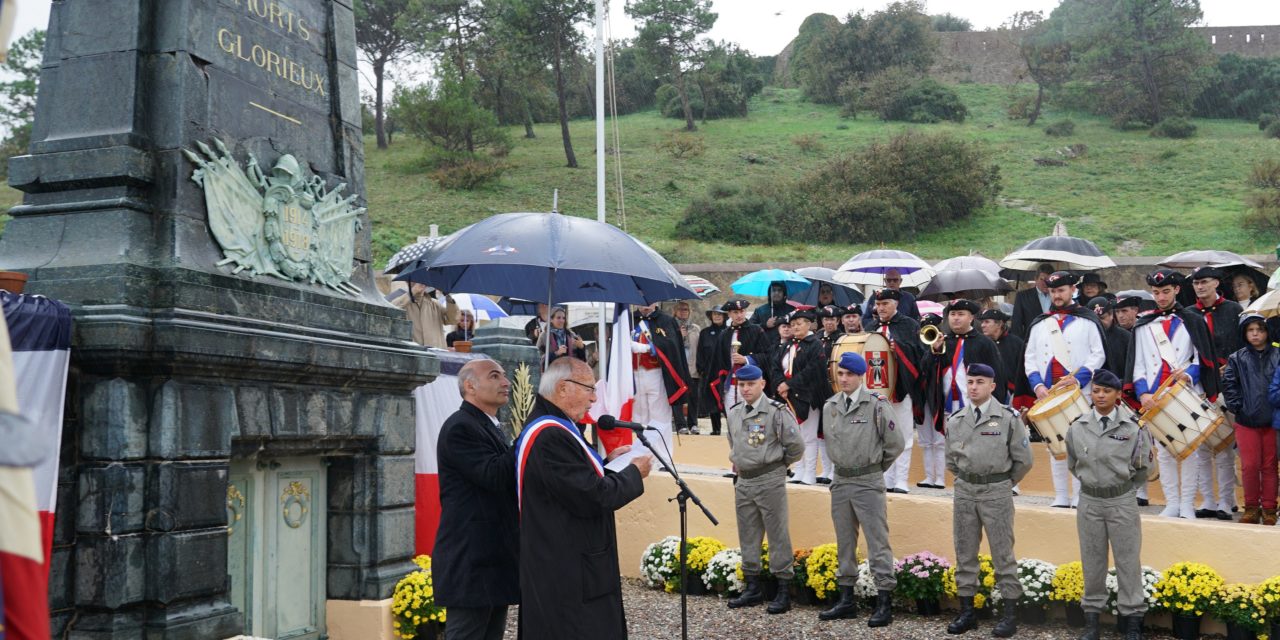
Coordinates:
<point>549,256</point>
<point>843,296</point>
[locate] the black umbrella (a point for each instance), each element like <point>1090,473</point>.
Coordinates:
<point>518,307</point>
<point>549,256</point>
<point>1061,249</point>
<point>843,296</point>
<point>972,282</point>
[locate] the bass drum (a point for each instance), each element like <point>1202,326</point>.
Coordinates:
<point>882,367</point>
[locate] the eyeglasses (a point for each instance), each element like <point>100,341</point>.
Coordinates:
<point>588,387</point>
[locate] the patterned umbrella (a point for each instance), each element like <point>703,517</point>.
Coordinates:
<point>410,253</point>
<point>1064,251</point>
<point>482,307</point>
<point>869,267</point>
<point>701,286</point>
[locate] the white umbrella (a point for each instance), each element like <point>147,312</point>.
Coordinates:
<point>1207,257</point>
<point>869,267</point>
<point>968,262</point>
<point>481,307</point>
<point>1065,251</point>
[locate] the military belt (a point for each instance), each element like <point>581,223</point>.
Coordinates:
<point>1107,492</point>
<point>756,473</point>
<point>854,472</point>
<point>990,478</point>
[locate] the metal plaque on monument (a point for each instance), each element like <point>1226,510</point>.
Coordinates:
<point>238,444</point>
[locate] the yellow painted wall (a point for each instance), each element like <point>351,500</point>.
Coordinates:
<point>359,620</point>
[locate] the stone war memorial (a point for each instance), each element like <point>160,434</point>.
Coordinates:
<point>238,444</point>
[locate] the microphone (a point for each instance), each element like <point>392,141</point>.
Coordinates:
<point>609,423</point>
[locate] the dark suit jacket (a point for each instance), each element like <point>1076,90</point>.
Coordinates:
<point>1026,307</point>
<point>476,561</point>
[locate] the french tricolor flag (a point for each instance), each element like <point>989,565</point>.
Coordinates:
<point>433,404</point>
<point>616,392</point>
<point>39,338</point>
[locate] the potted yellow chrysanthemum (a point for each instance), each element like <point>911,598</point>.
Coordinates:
<point>1187,590</point>
<point>413,605</point>
<point>1068,588</point>
<point>1269,594</point>
<point>1240,608</point>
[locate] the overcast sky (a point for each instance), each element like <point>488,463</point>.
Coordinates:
<point>764,27</point>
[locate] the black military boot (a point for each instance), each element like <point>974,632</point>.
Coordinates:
<point>845,607</point>
<point>782,602</point>
<point>883,614</point>
<point>966,621</point>
<point>1008,624</point>
<point>1091,630</point>
<point>750,597</point>
<point>1133,627</point>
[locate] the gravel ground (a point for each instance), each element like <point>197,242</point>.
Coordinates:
<point>655,615</point>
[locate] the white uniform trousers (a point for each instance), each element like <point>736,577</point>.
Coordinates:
<point>1222,466</point>
<point>1179,482</point>
<point>651,408</point>
<point>1062,481</point>
<point>933,449</point>
<point>896,476</point>
<point>807,469</point>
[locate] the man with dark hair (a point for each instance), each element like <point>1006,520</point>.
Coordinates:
<point>1031,302</point>
<point>1220,317</point>
<point>851,320</point>
<point>903,334</point>
<point>769,315</point>
<point>1064,346</point>
<point>995,325</point>
<point>740,344</point>
<point>476,559</point>
<point>946,362</point>
<point>1171,341</point>
<point>569,584</point>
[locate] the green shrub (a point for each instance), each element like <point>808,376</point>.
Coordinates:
<point>911,183</point>
<point>1061,128</point>
<point>468,173</point>
<point>1264,201</point>
<point>682,144</point>
<point>1265,120</point>
<point>1273,129</point>
<point>1174,127</point>
<point>901,94</point>
<point>730,213</point>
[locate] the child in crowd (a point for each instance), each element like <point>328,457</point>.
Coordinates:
<point>1247,370</point>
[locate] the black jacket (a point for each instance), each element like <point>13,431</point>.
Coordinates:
<point>708,338</point>
<point>765,311</point>
<point>1245,384</point>
<point>909,352</point>
<point>753,346</point>
<point>1026,307</point>
<point>1221,318</point>
<point>977,348</point>
<point>808,386</point>
<point>569,574</point>
<point>1117,347</point>
<point>475,562</point>
<point>1012,349</point>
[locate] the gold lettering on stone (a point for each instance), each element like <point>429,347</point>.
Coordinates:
<point>271,62</point>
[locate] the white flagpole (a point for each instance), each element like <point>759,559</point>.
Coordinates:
<point>601,338</point>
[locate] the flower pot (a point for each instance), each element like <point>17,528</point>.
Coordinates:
<point>870,603</point>
<point>1032,614</point>
<point>1186,627</point>
<point>1275,631</point>
<point>1238,632</point>
<point>13,281</point>
<point>1075,615</point>
<point>928,606</point>
<point>696,586</point>
<point>462,346</point>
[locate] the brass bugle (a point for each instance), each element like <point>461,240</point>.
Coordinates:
<point>930,334</point>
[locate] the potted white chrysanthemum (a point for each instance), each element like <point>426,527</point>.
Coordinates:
<point>1036,577</point>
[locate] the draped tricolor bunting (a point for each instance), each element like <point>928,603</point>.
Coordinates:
<point>40,336</point>
<point>433,404</point>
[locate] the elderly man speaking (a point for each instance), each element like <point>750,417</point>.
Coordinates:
<point>569,582</point>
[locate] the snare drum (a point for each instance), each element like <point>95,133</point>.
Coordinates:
<point>1180,419</point>
<point>1053,414</point>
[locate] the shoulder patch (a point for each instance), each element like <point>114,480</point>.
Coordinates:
<point>777,403</point>
<point>736,405</point>
<point>956,412</point>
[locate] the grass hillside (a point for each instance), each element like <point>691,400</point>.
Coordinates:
<point>1132,194</point>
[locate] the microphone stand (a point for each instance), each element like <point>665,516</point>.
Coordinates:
<point>683,498</point>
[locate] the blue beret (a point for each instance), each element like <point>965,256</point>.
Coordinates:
<point>1104,378</point>
<point>981,370</point>
<point>853,363</point>
<point>749,372</point>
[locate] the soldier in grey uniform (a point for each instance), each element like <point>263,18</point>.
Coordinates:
<point>1110,454</point>
<point>863,443</point>
<point>988,451</point>
<point>764,440</point>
